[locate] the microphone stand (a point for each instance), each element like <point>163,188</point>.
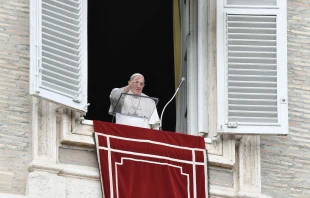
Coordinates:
<point>161,116</point>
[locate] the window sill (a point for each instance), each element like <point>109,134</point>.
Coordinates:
<point>82,134</point>
<point>88,123</point>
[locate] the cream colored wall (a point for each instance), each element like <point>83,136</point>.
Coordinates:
<point>36,134</point>
<point>285,160</point>
<point>30,162</point>
<point>15,103</point>
<point>284,163</point>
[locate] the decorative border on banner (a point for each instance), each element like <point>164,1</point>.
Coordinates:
<point>151,162</point>
<point>193,162</point>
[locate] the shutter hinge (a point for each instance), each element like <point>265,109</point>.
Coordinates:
<point>232,125</point>
<point>86,106</point>
<point>77,99</point>
<point>215,140</point>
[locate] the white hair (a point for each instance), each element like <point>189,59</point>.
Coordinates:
<point>134,75</point>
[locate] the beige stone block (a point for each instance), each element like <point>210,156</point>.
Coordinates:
<point>295,114</point>
<point>294,124</point>
<point>6,173</point>
<point>8,17</point>
<point>303,110</point>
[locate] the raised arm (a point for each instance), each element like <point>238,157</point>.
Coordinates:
<point>116,93</point>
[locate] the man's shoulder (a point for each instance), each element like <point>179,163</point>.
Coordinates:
<point>114,89</point>
<point>116,92</point>
<point>117,89</point>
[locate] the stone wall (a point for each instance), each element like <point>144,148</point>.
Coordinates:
<point>285,161</point>
<point>15,131</point>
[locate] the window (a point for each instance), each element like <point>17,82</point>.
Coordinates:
<point>252,67</point>
<point>136,37</point>
<point>129,43</point>
<point>251,61</point>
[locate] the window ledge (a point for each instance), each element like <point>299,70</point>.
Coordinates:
<point>232,193</point>
<point>82,135</point>
<point>88,123</point>
<point>65,169</point>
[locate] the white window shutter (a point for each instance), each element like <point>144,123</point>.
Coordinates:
<point>58,51</point>
<point>252,67</point>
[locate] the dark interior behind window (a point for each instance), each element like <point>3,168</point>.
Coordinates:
<point>126,37</point>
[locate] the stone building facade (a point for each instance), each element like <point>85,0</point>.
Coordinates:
<point>45,151</point>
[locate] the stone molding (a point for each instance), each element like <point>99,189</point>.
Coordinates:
<point>66,170</point>
<point>243,152</point>
<point>72,132</point>
<point>51,126</point>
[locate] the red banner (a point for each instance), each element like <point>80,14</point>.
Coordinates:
<point>143,163</point>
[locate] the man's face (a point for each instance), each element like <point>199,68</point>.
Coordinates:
<point>138,84</point>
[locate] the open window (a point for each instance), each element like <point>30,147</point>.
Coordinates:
<point>251,63</point>
<point>76,61</point>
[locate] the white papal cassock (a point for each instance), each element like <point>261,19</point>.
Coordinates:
<point>134,110</point>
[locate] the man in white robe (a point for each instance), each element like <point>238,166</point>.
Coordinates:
<point>136,109</point>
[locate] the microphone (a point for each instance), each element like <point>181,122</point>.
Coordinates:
<point>181,81</point>
<point>161,116</point>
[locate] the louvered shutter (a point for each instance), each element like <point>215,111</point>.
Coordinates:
<point>58,51</point>
<point>252,67</point>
